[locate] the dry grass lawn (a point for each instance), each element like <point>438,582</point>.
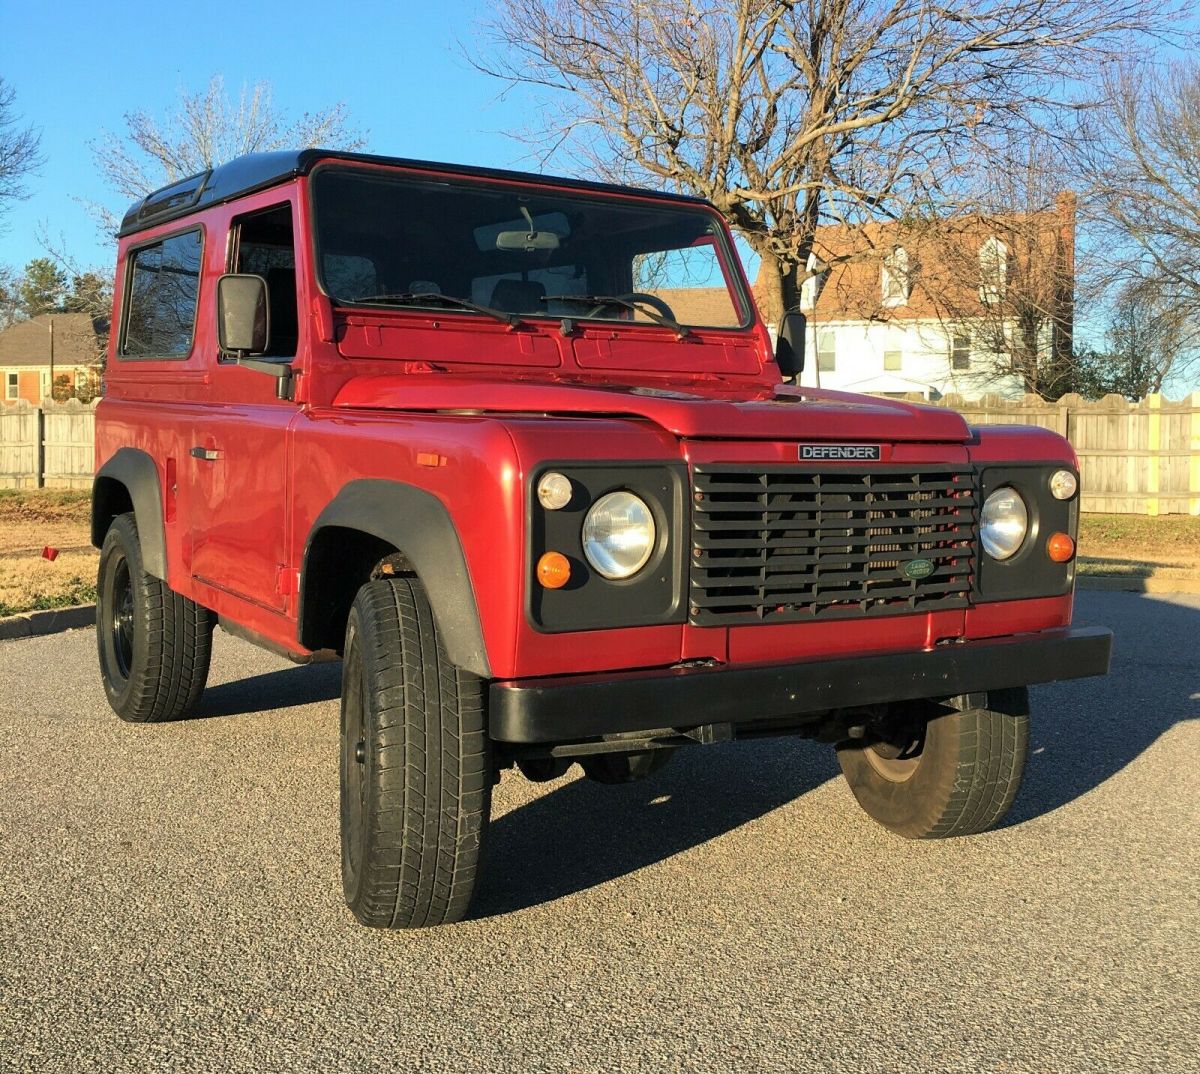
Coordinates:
<point>1108,544</point>
<point>1139,544</point>
<point>28,522</point>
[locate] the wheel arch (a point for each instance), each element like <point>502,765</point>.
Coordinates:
<point>129,481</point>
<point>373,519</point>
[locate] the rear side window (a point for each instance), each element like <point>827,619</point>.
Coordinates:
<point>160,309</point>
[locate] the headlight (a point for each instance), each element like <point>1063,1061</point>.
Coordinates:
<point>618,535</point>
<point>1063,484</point>
<point>1003,523</point>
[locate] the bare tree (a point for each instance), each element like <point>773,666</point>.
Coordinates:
<point>1146,333</point>
<point>1142,153</point>
<point>208,128</point>
<point>20,149</point>
<point>786,114</point>
<point>1000,272</point>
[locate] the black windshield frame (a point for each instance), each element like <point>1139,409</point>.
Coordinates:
<point>728,264</point>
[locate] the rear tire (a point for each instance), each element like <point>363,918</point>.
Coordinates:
<point>154,645</point>
<point>941,772</point>
<point>416,769</point>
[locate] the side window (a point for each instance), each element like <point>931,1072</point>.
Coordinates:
<point>12,386</point>
<point>160,307</point>
<point>265,246</point>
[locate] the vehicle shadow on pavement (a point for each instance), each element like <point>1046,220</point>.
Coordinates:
<point>299,685</point>
<point>582,834</point>
<point>1086,731</point>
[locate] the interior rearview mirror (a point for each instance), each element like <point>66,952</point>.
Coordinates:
<point>243,314</point>
<point>529,241</point>
<point>789,345</point>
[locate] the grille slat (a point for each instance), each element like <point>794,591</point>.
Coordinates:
<point>787,545</point>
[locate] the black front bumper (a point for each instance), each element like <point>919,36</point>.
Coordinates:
<point>570,709</point>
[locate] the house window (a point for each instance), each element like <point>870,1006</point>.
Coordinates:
<point>826,352</point>
<point>891,361</point>
<point>12,386</point>
<point>161,300</point>
<point>897,283</point>
<point>960,352</point>
<point>993,271</point>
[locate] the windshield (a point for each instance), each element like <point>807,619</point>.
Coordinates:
<point>457,245</point>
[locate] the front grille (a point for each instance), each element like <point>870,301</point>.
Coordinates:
<point>780,544</point>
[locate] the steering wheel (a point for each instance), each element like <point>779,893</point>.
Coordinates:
<point>650,300</point>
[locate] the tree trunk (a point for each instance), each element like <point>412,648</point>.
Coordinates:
<point>779,293</point>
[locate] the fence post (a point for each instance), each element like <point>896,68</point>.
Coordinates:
<point>1154,446</point>
<point>39,454</point>
<point>1194,482</point>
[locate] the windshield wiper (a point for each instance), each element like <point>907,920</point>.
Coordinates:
<point>411,298</point>
<point>637,305</point>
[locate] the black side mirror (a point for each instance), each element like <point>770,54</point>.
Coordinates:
<point>789,345</point>
<point>244,327</point>
<point>243,315</point>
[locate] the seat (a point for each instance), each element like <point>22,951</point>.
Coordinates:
<point>518,296</point>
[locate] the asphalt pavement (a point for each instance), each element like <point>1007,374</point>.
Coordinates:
<point>170,898</point>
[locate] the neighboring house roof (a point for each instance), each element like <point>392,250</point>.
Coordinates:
<point>940,271</point>
<point>710,306</point>
<point>27,343</point>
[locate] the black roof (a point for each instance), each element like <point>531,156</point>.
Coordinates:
<point>259,170</point>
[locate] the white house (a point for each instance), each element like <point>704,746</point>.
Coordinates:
<point>949,308</point>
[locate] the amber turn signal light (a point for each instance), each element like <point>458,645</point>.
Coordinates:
<point>1060,547</point>
<point>554,570</point>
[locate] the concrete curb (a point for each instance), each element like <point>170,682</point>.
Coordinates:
<point>55,621</point>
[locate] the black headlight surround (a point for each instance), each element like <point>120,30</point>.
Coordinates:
<point>1030,572</point>
<point>589,601</point>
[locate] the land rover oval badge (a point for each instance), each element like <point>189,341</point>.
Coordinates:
<point>916,569</point>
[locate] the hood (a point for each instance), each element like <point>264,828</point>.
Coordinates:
<point>781,413</point>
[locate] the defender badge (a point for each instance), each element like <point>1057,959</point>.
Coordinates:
<point>916,569</point>
<point>840,452</point>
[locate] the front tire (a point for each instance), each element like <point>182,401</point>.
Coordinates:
<point>416,772</point>
<point>932,772</point>
<point>154,645</point>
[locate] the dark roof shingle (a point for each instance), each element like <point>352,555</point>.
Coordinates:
<point>76,341</point>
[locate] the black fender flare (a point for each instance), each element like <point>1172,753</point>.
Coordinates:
<point>137,472</point>
<point>417,524</point>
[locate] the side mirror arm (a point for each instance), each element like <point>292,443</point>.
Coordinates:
<point>281,371</point>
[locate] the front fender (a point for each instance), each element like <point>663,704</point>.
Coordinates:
<point>417,524</point>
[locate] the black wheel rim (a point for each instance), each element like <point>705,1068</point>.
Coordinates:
<point>354,763</point>
<point>121,626</point>
<point>897,758</point>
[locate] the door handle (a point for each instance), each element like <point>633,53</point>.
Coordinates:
<point>205,454</point>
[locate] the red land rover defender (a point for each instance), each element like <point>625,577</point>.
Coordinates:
<point>518,450</point>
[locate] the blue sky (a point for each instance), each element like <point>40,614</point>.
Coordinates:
<point>78,68</point>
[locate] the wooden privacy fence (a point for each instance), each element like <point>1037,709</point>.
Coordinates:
<point>48,446</point>
<point>1134,458</point>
